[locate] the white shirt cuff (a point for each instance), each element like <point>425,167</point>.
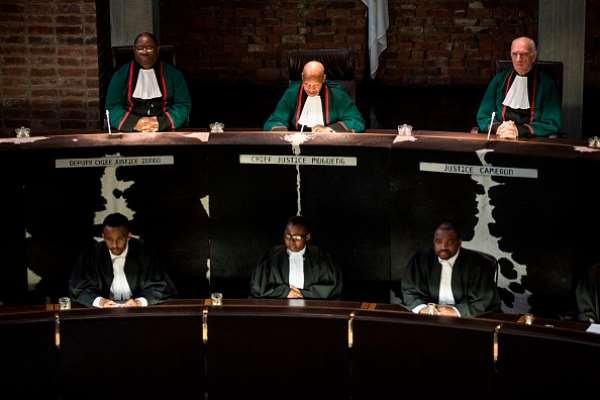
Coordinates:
<point>143,301</point>
<point>96,302</point>
<point>418,308</point>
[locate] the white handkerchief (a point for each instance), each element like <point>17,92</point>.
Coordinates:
<point>146,86</point>
<point>518,95</point>
<point>312,113</point>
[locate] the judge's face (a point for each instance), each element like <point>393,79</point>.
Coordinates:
<point>145,51</point>
<point>116,239</point>
<point>445,243</point>
<point>522,54</point>
<point>295,237</point>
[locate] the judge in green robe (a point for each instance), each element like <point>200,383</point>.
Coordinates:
<point>455,281</point>
<point>525,100</point>
<point>118,271</point>
<point>147,95</point>
<point>315,105</point>
<point>296,269</point>
<point>587,295</point>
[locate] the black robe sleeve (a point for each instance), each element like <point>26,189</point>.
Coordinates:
<point>587,295</point>
<point>416,281</point>
<point>86,282</point>
<point>270,279</point>
<point>152,282</point>
<point>474,284</point>
<point>322,279</point>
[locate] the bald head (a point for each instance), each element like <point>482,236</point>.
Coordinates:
<point>523,54</point>
<point>313,76</point>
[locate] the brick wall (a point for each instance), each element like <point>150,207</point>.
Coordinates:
<point>239,40</point>
<point>430,42</point>
<point>49,64</point>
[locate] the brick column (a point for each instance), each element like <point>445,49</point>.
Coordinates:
<point>49,64</point>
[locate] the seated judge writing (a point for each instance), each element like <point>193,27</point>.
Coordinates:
<point>450,280</point>
<point>587,295</point>
<point>296,269</point>
<point>315,105</point>
<point>147,95</point>
<point>118,271</point>
<point>525,100</point>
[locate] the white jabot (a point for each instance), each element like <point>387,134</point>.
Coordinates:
<point>296,277</point>
<point>312,113</point>
<point>445,295</point>
<point>146,86</point>
<point>518,94</point>
<point>119,288</point>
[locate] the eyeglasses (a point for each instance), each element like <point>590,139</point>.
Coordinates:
<point>148,49</point>
<point>295,238</point>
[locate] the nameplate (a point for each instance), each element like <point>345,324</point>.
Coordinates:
<point>323,161</point>
<point>481,170</point>
<point>113,161</point>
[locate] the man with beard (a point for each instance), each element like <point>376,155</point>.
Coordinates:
<point>450,280</point>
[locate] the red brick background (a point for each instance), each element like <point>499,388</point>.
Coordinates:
<point>430,42</point>
<point>55,61</point>
<point>49,64</point>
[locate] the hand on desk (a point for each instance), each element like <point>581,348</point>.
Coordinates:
<point>107,303</point>
<point>439,309</point>
<point>294,293</point>
<point>146,124</point>
<point>322,129</point>
<point>507,130</point>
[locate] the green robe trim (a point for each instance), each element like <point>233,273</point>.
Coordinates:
<point>546,119</point>
<point>342,111</point>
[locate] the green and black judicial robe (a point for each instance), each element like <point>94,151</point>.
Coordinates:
<point>473,282</point>
<point>93,275</point>
<point>339,112</point>
<point>541,119</point>
<point>270,279</point>
<point>171,110</point>
<point>587,294</point>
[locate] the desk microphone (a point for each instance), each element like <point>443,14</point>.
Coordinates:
<point>489,129</point>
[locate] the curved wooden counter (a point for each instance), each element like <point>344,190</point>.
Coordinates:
<point>288,348</point>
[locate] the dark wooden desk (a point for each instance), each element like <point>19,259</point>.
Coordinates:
<point>371,217</point>
<point>259,348</point>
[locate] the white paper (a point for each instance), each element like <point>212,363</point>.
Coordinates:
<point>402,138</point>
<point>594,328</point>
<point>202,136</point>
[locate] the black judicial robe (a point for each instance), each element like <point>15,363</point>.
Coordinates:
<point>93,275</point>
<point>270,279</point>
<point>473,282</point>
<point>587,294</point>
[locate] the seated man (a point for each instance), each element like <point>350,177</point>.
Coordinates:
<point>524,99</point>
<point>296,269</point>
<point>315,104</point>
<point>147,95</point>
<point>449,280</point>
<point>587,294</point>
<point>118,271</point>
